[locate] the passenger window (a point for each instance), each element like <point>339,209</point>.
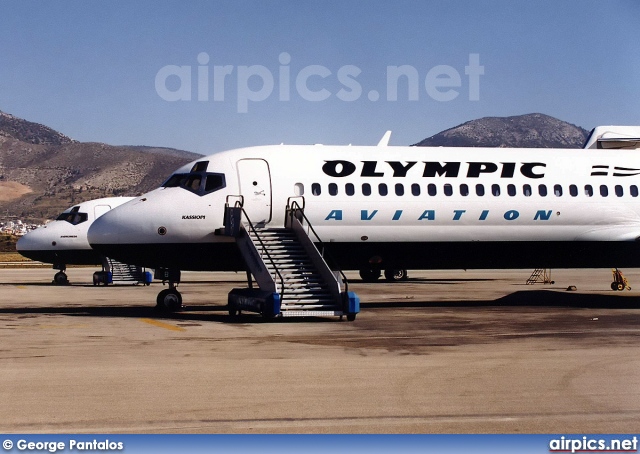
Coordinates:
<point>448,190</point>
<point>511,190</point>
<point>382,189</point>
<point>431,189</point>
<point>333,189</point>
<point>526,190</point>
<point>315,189</point>
<point>619,191</point>
<point>349,189</point>
<point>415,189</point>
<point>495,189</point>
<point>542,190</point>
<point>399,189</point>
<point>366,189</point>
<point>464,190</point>
<point>633,190</point>
<point>588,190</point>
<point>557,190</point>
<point>573,190</point>
<point>298,189</point>
<point>479,190</point>
<point>604,190</point>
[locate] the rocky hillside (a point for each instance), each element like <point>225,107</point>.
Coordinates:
<point>29,132</point>
<point>43,172</point>
<point>522,131</point>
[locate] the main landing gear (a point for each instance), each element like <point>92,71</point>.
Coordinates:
<point>371,275</point>
<point>169,299</point>
<point>396,275</point>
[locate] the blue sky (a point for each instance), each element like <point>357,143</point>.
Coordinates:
<point>90,69</point>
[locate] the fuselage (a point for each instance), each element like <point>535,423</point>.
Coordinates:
<point>63,241</point>
<point>394,207</point>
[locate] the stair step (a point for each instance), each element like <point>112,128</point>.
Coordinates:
<point>293,306</point>
<point>298,300</point>
<point>305,285</point>
<point>303,292</point>
<point>293,270</point>
<point>311,313</point>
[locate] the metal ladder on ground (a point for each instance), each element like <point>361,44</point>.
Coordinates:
<point>540,275</point>
<point>293,277</point>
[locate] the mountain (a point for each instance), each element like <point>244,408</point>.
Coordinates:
<point>43,172</point>
<point>29,132</point>
<point>523,131</point>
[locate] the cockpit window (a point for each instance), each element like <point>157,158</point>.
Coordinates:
<point>214,182</point>
<point>193,182</point>
<point>74,216</point>
<point>175,180</point>
<point>197,181</point>
<point>200,166</point>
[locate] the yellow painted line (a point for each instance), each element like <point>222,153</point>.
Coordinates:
<point>162,324</point>
<point>21,286</point>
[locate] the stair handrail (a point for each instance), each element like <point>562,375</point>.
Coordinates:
<point>238,204</point>
<point>292,207</point>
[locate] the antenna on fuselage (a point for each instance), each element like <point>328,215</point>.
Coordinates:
<point>385,139</point>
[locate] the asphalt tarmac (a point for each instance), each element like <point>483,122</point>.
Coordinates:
<point>444,352</point>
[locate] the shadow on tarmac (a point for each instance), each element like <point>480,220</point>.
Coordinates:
<point>530,298</point>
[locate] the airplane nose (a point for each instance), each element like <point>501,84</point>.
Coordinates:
<point>128,224</point>
<point>111,228</point>
<point>34,241</point>
<point>37,245</point>
<point>130,232</point>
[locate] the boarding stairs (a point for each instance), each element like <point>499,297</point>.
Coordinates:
<point>293,277</point>
<point>114,272</point>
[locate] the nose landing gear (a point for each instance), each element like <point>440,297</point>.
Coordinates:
<point>60,278</point>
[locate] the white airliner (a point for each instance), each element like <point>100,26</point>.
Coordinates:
<point>63,241</point>
<point>396,208</point>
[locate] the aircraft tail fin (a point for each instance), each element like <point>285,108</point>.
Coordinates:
<point>384,142</point>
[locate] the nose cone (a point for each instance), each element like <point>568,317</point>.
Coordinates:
<point>59,243</point>
<point>34,242</point>
<point>122,232</point>
<point>166,228</point>
<point>130,223</point>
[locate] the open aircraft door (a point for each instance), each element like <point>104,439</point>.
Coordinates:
<point>255,186</point>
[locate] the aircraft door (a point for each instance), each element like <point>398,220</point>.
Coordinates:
<point>255,186</point>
